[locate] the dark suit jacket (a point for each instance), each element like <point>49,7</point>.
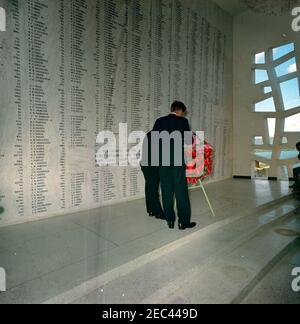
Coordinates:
<point>170,124</point>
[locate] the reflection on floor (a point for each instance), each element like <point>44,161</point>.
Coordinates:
<point>48,258</point>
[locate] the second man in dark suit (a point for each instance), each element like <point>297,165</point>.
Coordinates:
<point>152,181</point>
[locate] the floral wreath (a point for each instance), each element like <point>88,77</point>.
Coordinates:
<point>199,163</point>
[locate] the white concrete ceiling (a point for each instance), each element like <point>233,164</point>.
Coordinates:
<point>234,7</point>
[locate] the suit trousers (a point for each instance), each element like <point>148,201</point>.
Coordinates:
<point>174,182</point>
<point>152,182</point>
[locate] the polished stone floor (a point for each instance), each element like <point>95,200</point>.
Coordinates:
<point>275,288</point>
<point>48,257</point>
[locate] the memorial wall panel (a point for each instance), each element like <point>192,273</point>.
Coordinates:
<point>72,68</point>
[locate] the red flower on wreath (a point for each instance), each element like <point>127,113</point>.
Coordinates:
<point>199,164</point>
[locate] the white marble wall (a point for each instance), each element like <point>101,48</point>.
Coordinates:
<point>71,68</point>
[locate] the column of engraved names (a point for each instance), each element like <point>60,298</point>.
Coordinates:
<point>105,76</point>
<point>122,86</point>
<point>198,113</point>
<point>98,94</point>
<point>135,61</point>
<point>110,65</point>
<point>18,155</point>
<point>204,68</point>
<point>124,93</point>
<point>218,60</point>
<point>38,75</point>
<point>62,106</point>
<point>177,76</point>
<point>77,58</point>
<point>78,119</point>
<point>110,17</point>
<point>136,109</point>
<point>215,84</point>
<point>158,23</point>
<point>191,95</point>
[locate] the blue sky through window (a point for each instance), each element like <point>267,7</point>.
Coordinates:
<point>279,52</point>
<point>264,154</point>
<point>290,93</point>
<point>288,154</point>
<point>265,106</point>
<point>261,76</point>
<point>267,90</point>
<point>260,58</point>
<point>287,67</point>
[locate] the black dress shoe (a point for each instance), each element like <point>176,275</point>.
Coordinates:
<point>171,225</point>
<point>183,227</point>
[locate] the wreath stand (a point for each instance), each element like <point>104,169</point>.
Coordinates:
<point>207,199</point>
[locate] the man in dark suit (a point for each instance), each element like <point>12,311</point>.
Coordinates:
<point>152,181</point>
<point>172,166</point>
